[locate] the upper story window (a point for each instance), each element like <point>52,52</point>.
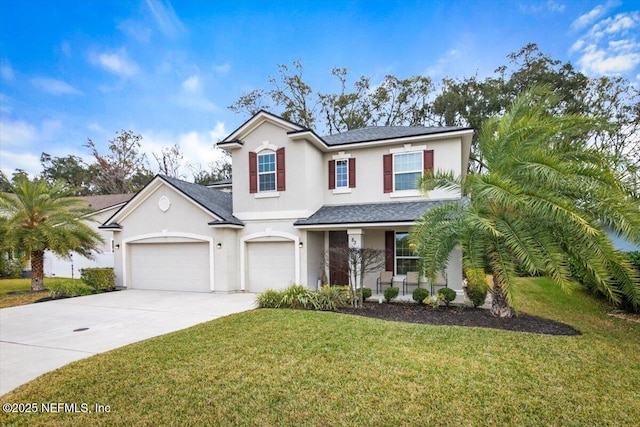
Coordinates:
<point>402,170</point>
<point>342,174</point>
<point>267,172</point>
<point>342,177</point>
<point>407,170</point>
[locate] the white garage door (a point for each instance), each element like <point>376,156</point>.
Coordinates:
<point>271,265</point>
<point>169,266</point>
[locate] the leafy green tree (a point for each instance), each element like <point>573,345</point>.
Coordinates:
<point>471,102</point>
<point>218,170</point>
<point>72,170</point>
<point>124,169</point>
<point>169,161</point>
<point>40,216</point>
<point>543,198</point>
<point>393,102</point>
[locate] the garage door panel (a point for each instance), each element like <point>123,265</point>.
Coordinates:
<point>271,265</point>
<point>170,266</point>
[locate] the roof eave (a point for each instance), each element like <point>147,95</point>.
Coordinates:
<point>403,139</point>
<point>334,225</point>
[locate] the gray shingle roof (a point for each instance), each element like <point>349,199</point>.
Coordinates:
<point>368,213</point>
<point>377,133</point>
<point>104,201</point>
<point>216,201</point>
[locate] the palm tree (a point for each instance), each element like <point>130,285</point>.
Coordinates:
<point>542,201</point>
<point>40,216</point>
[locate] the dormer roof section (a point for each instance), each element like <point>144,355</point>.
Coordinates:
<point>235,139</point>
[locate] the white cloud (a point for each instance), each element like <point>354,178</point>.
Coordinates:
<point>608,45</point>
<point>166,18</point>
<point>192,96</point>
<point>15,138</point>
<point>593,15</point>
<point>602,62</point>
<point>116,62</point>
<point>198,148</point>
<point>548,6</point>
<point>192,84</point>
<point>620,23</point>
<point>223,68</point>
<point>10,161</point>
<point>54,86</point>
<point>17,133</point>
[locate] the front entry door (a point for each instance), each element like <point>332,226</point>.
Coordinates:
<point>338,261</point>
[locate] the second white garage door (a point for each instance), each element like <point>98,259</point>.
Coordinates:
<point>169,266</point>
<point>271,265</point>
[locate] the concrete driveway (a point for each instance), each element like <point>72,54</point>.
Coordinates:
<point>38,338</point>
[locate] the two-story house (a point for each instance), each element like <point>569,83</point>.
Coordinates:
<point>294,196</point>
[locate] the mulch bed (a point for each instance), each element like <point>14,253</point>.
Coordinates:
<point>457,316</point>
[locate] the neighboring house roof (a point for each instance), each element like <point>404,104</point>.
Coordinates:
<point>378,133</point>
<point>368,213</point>
<point>104,201</point>
<point>221,183</point>
<point>216,201</point>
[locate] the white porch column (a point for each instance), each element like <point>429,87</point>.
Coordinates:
<point>354,235</point>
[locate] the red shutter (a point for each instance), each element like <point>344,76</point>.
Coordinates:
<point>352,173</point>
<point>428,161</point>
<point>332,174</point>
<point>387,162</point>
<point>253,173</point>
<point>280,175</point>
<point>389,248</point>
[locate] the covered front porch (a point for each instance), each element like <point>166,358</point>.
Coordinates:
<point>382,227</point>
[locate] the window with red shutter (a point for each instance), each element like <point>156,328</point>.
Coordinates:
<point>280,168</point>
<point>332,174</point>
<point>387,166</point>
<point>352,173</point>
<point>253,173</point>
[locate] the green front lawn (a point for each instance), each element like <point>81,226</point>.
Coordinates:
<point>22,286</point>
<point>297,368</point>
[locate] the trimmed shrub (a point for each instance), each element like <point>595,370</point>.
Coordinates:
<point>299,296</point>
<point>366,293</point>
<point>476,286</point>
<point>269,299</point>
<point>420,294</point>
<point>391,293</point>
<point>329,298</point>
<point>68,288</point>
<point>10,268</point>
<point>433,300</point>
<point>448,295</point>
<point>100,279</point>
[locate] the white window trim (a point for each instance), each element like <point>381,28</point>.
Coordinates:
<point>266,146</point>
<point>342,190</point>
<point>342,155</point>
<point>409,192</point>
<point>395,253</point>
<point>346,163</point>
<point>275,173</point>
<point>266,194</point>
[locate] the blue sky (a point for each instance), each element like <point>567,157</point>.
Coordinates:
<point>72,70</point>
